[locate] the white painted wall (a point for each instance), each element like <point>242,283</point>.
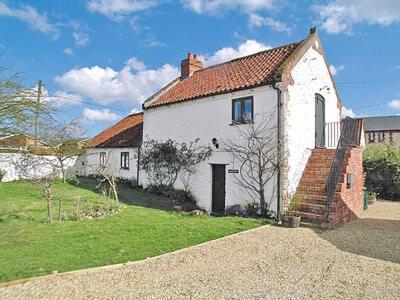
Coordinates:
<point>209,118</point>
<point>38,166</point>
<point>91,161</point>
<point>310,76</point>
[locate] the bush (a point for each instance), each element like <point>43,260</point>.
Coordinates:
<point>88,211</point>
<point>382,165</point>
<point>169,192</point>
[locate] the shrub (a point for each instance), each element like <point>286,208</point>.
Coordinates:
<point>88,211</point>
<point>382,165</point>
<point>169,192</point>
<point>235,210</point>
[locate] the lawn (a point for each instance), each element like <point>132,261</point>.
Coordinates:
<point>146,227</point>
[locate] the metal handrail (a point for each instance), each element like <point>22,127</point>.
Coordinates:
<point>348,137</point>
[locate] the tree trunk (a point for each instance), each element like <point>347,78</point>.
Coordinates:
<point>59,210</point>
<point>48,199</point>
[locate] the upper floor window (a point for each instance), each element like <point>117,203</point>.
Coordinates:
<point>371,137</point>
<point>125,160</point>
<point>242,110</point>
<point>102,159</point>
<point>381,136</point>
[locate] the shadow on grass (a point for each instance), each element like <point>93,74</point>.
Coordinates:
<point>374,238</point>
<point>131,196</point>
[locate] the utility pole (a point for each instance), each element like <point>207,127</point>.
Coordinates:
<point>39,94</point>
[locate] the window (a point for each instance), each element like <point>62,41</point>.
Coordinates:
<point>125,160</point>
<point>381,136</point>
<point>242,110</point>
<point>371,137</point>
<point>102,159</point>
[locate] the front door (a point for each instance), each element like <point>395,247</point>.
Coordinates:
<point>319,121</point>
<point>218,189</point>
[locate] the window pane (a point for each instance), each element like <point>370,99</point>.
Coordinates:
<point>236,111</point>
<point>247,113</point>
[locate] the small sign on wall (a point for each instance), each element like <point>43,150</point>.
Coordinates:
<point>235,171</point>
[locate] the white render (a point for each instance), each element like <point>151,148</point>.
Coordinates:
<point>311,76</point>
<point>211,117</point>
<point>91,162</point>
<point>42,166</point>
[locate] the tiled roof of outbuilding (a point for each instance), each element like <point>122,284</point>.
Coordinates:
<point>241,73</point>
<point>126,133</point>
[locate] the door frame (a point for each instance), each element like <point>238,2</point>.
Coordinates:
<point>319,97</point>
<point>213,188</point>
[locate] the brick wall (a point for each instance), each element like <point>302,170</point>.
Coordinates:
<point>351,203</point>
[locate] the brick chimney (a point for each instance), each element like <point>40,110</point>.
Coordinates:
<point>189,65</point>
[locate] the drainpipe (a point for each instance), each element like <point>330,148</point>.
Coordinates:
<point>138,165</point>
<point>279,106</point>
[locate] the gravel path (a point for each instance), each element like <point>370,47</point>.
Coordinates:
<point>360,260</point>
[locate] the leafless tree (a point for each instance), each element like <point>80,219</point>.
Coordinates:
<point>256,149</point>
<point>105,173</point>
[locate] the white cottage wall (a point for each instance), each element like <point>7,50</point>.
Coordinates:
<point>91,161</point>
<point>310,76</point>
<point>208,118</point>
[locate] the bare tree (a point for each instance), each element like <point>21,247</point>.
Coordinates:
<point>256,150</point>
<point>64,141</point>
<point>18,105</point>
<point>105,173</point>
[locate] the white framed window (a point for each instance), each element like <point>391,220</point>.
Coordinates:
<point>371,137</point>
<point>125,160</point>
<point>381,136</point>
<point>102,159</point>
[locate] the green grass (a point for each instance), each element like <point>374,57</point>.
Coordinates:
<point>146,227</point>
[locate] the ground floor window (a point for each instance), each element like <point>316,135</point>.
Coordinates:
<point>102,159</point>
<point>125,160</point>
<point>371,137</point>
<point>381,136</point>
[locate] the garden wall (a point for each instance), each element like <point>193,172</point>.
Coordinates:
<point>12,163</point>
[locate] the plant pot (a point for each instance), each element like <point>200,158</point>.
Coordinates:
<point>293,221</point>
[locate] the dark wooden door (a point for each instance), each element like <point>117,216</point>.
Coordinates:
<point>319,121</point>
<point>218,188</point>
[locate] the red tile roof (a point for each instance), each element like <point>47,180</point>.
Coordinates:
<point>126,133</point>
<point>241,73</point>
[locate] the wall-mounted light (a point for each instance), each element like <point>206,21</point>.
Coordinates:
<point>215,142</point>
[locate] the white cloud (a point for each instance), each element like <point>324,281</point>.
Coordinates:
<point>29,14</point>
<point>81,39</point>
<point>340,16</point>
<point>118,9</point>
<point>216,6</point>
<point>255,20</point>
<point>229,53</point>
<point>68,51</point>
<point>94,115</point>
<point>335,69</point>
<point>395,104</point>
<point>133,83</point>
<point>348,112</point>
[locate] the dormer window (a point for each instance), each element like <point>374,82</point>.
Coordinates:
<point>242,110</point>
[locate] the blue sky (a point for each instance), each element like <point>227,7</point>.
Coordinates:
<point>113,54</point>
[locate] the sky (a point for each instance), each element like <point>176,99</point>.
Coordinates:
<point>100,59</point>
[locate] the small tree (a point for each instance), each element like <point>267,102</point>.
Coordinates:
<point>165,161</point>
<point>63,140</point>
<point>105,173</point>
<point>256,150</point>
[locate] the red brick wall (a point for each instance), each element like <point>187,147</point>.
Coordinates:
<point>351,203</point>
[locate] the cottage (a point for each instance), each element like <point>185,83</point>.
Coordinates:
<point>116,149</point>
<point>318,156</point>
<point>292,82</point>
<point>384,129</point>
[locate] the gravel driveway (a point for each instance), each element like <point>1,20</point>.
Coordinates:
<point>360,260</point>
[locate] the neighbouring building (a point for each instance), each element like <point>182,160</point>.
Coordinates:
<point>19,142</point>
<point>384,129</point>
<point>116,149</point>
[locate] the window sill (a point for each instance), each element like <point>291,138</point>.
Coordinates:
<point>241,123</point>
<point>125,169</point>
